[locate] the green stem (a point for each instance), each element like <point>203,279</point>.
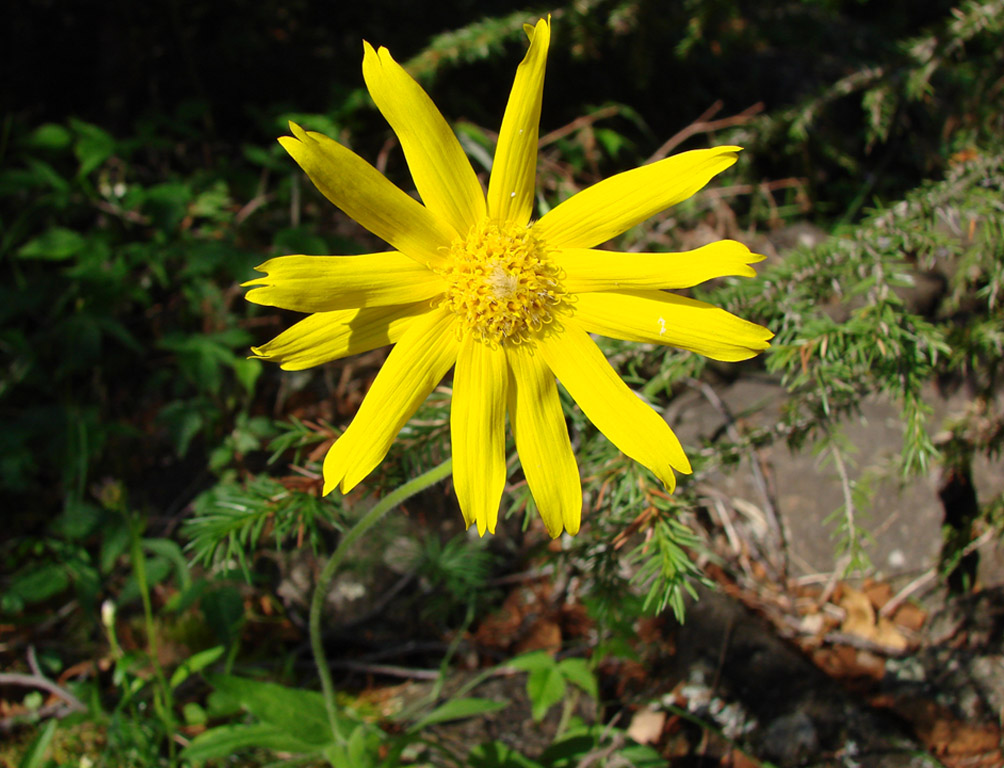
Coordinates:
<point>163,701</point>
<point>366,522</point>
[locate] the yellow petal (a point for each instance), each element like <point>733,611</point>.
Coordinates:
<point>626,420</point>
<point>542,443</point>
<point>327,336</point>
<point>614,205</point>
<point>477,430</point>
<point>588,269</point>
<point>363,193</point>
<point>416,364</point>
<point>328,283</point>
<point>514,170</point>
<point>663,318</point>
<point>442,173</point>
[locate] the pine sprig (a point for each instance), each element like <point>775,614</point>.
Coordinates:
<point>233,520</point>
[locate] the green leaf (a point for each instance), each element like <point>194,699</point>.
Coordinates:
<point>532,661</point>
<point>644,756</point>
<point>50,136</point>
<point>495,754</point>
<point>226,739</point>
<point>41,171</point>
<point>183,420</point>
<point>114,540</point>
<point>577,672</point>
<point>93,146</point>
<point>297,712</point>
<point>56,244</point>
<point>362,748</point>
<point>459,709</point>
<point>569,751</point>
<point>77,520</point>
<point>35,754</point>
<point>545,687</point>
<point>247,372</point>
<point>35,586</point>
<point>223,610</point>
<point>194,714</point>
<point>185,598</point>
<point>157,570</point>
<point>167,204</point>
<point>195,663</point>
<point>170,550</point>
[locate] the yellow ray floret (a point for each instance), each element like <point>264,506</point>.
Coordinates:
<point>472,283</point>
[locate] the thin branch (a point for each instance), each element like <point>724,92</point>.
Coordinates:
<point>40,681</point>
<point>577,124</point>
<point>705,125</point>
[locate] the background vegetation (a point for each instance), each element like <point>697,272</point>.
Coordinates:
<point>163,526</point>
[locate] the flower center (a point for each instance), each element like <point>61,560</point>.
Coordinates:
<point>501,283</point>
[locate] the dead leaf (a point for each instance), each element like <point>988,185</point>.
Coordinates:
<point>861,621</point>
<point>910,617</point>
<point>543,635</point>
<point>879,593</point>
<point>646,726</point>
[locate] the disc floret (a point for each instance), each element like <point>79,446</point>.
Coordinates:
<point>501,283</point>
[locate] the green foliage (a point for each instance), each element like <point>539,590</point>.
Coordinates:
<point>106,279</point>
<point>234,518</point>
<point>34,756</point>
<point>548,679</point>
<point>474,42</point>
<point>456,574</point>
<point>580,745</point>
<point>458,709</point>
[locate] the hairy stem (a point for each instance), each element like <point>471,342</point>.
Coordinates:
<point>366,522</point>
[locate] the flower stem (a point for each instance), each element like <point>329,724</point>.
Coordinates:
<point>366,522</point>
<point>162,697</point>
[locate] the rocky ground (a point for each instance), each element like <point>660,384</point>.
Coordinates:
<point>787,662</point>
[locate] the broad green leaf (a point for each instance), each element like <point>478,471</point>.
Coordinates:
<point>94,145</point>
<point>167,204</point>
<point>77,520</point>
<point>545,687</point>
<point>458,709</point>
<point>223,741</point>
<point>195,663</point>
<point>577,672</point>
<point>194,714</point>
<point>247,372</point>
<point>297,712</point>
<point>50,136</point>
<point>56,244</point>
<point>35,586</point>
<point>362,748</point>
<point>531,661</point>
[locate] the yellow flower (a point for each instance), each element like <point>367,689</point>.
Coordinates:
<point>473,282</point>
